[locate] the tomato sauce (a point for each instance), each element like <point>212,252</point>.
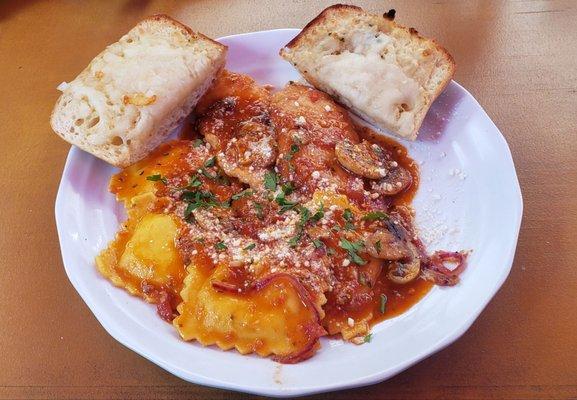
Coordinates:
<point>383,299</point>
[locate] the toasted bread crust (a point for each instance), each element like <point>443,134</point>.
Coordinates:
<point>318,20</point>
<point>185,29</point>
<point>136,91</point>
<point>305,47</point>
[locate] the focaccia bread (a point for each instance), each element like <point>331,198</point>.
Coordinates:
<point>134,93</point>
<point>387,74</point>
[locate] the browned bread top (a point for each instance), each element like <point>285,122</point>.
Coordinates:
<point>132,95</point>
<point>386,73</point>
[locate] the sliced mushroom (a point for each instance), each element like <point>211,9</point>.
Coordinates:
<point>249,156</point>
<point>363,158</point>
<point>402,272</point>
<point>397,180</point>
<point>385,245</point>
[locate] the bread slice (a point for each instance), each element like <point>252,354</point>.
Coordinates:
<point>387,74</point>
<point>132,95</point>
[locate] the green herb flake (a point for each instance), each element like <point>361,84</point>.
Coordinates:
<point>201,199</point>
<point>244,193</point>
<point>287,188</point>
<point>197,142</point>
<point>284,203</point>
<point>383,303</point>
<point>293,150</point>
<point>194,182</point>
<point>348,217</point>
<point>250,246</point>
<point>375,216</point>
<point>204,172</point>
<point>259,211</point>
<point>295,239</point>
<point>368,338</point>
<point>210,162</point>
<point>156,178</point>
<point>188,212</point>
<point>331,251</point>
<point>377,246</point>
<point>357,259</point>
<point>304,218</point>
<point>319,214</point>
<point>220,246</point>
<point>318,243</point>
<point>270,180</point>
<point>305,215</point>
<point>352,248</point>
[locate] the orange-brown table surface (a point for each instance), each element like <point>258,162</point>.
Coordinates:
<point>518,58</point>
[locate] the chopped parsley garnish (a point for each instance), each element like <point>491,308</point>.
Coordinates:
<point>208,174</point>
<point>270,180</point>
<point>378,246</point>
<point>336,228</point>
<point>331,251</point>
<point>288,188</point>
<point>156,178</point>
<point>210,162</point>
<point>259,211</point>
<point>284,203</point>
<point>220,246</point>
<point>246,192</point>
<point>305,215</point>
<point>200,199</point>
<point>295,239</point>
<point>348,217</point>
<point>319,214</point>
<point>383,303</point>
<point>188,212</point>
<point>250,246</point>
<point>197,142</point>
<point>368,338</point>
<point>375,215</point>
<point>352,248</point>
<point>363,279</point>
<point>293,150</point>
<point>222,179</point>
<point>318,243</point>
<point>194,182</point>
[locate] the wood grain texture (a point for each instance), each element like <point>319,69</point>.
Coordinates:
<point>518,58</point>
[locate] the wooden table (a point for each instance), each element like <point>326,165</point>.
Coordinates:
<point>519,60</point>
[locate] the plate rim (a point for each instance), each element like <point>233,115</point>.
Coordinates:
<point>294,391</point>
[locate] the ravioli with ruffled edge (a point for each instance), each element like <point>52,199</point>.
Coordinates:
<point>276,225</point>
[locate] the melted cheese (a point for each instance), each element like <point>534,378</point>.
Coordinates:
<point>131,86</point>
<point>363,75</point>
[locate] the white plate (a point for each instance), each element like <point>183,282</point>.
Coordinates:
<point>469,197</point>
